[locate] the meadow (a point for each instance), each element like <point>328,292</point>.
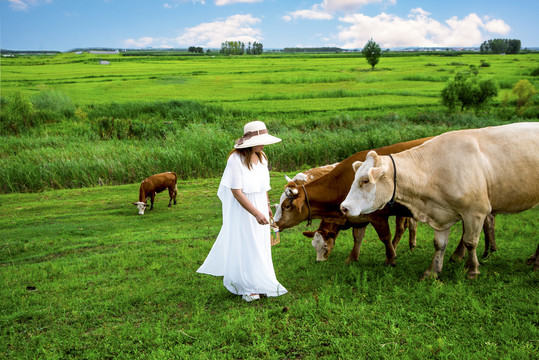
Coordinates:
<point>67,121</point>
<point>83,276</point>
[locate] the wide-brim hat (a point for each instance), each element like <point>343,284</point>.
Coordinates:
<point>255,134</point>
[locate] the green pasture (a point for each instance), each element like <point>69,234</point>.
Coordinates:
<point>85,277</point>
<point>236,80</point>
<point>69,122</point>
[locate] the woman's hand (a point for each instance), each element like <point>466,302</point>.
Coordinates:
<point>261,219</point>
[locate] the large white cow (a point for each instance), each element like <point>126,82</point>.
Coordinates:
<point>460,175</point>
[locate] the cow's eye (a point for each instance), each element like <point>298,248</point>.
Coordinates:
<point>364,182</point>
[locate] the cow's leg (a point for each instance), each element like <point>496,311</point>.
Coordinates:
<point>534,259</point>
<point>412,233</point>
<point>170,195</point>
<point>359,234</point>
<point>460,251</point>
<point>152,199</point>
<point>381,226</point>
<point>488,229</point>
<point>440,243</point>
<point>472,225</point>
<point>401,224</point>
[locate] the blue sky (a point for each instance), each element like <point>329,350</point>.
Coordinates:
<point>67,24</point>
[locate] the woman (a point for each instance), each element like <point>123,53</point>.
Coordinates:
<point>242,251</point>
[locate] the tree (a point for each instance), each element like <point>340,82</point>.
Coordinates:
<point>468,92</point>
<point>372,53</point>
<point>525,91</point>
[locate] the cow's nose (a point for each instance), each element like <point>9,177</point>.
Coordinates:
<point>344,210</point>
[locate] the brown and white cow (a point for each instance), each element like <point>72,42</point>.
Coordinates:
<point>325,194</point>
<point>326,234</point>
<point>458,176</point>
<point>156,184</point>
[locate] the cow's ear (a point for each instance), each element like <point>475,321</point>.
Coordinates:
<point>134,204</point>
<point>291,192</point>
<point>309,234</point>
<point>356,165</point>
<point>298,203</point>
<point>374,174</point>
<point>372,154</point>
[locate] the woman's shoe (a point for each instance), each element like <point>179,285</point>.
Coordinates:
<point>251,297</point>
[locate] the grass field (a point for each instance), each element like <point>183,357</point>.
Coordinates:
<point>84,276</point>
<point>277,84</point>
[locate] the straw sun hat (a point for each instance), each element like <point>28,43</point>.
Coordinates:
<point>255,134</point>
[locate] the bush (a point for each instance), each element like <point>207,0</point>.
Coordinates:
<point>17,115</point>
<point>465,91</point>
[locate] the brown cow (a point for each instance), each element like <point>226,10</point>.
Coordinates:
<point>458,176</point>
<point>156,184</point>
<point>324,237</point>
<point>325,194</point>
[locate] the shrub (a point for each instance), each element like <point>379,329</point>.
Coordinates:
<point>467,92</point>
<point>17,115</point>
<point>535,72</point>
<point>525,91</point>
<point>484,64</point>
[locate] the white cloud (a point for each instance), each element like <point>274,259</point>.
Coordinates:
<point>316,13</point>
<point>350,5</point>
<point>229,2</point>
<point>142,42</point>
<point>325,10</point>
<point>25,4</point>
<point>418,29</point>
<point>233,28</point>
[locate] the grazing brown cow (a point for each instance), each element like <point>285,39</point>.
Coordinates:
<point>324,237</point>
<point>321,198</point>
<point>458,176</point>
<point>156,184</point>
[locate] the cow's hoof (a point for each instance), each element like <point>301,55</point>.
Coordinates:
<point>390,262</point>
<point>428,275</point>
<point>350,261</point>
<point>472,274</point>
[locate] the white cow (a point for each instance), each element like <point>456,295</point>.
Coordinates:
<point>460,175</point>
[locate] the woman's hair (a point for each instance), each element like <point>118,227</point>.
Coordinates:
<point>246,154</point>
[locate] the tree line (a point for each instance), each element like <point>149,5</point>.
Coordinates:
<point>239,48</point>
<point>500,46</point>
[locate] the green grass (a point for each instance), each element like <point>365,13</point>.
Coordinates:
<point>84,276</point>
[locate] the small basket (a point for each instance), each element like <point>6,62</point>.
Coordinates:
<point>275,236</point>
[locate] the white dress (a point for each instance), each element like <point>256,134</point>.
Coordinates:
<point>242,251</point>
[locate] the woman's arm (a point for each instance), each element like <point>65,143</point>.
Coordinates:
<point>246,204</point>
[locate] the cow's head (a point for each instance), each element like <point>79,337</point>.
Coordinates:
<point>371,189</point>
<point>291,209</point>
<point>323,242</point>
<point>141,206</point>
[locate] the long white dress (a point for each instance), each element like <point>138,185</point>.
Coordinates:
<point>242,251</point>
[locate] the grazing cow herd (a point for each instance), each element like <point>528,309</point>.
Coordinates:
<point>467,176</point>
